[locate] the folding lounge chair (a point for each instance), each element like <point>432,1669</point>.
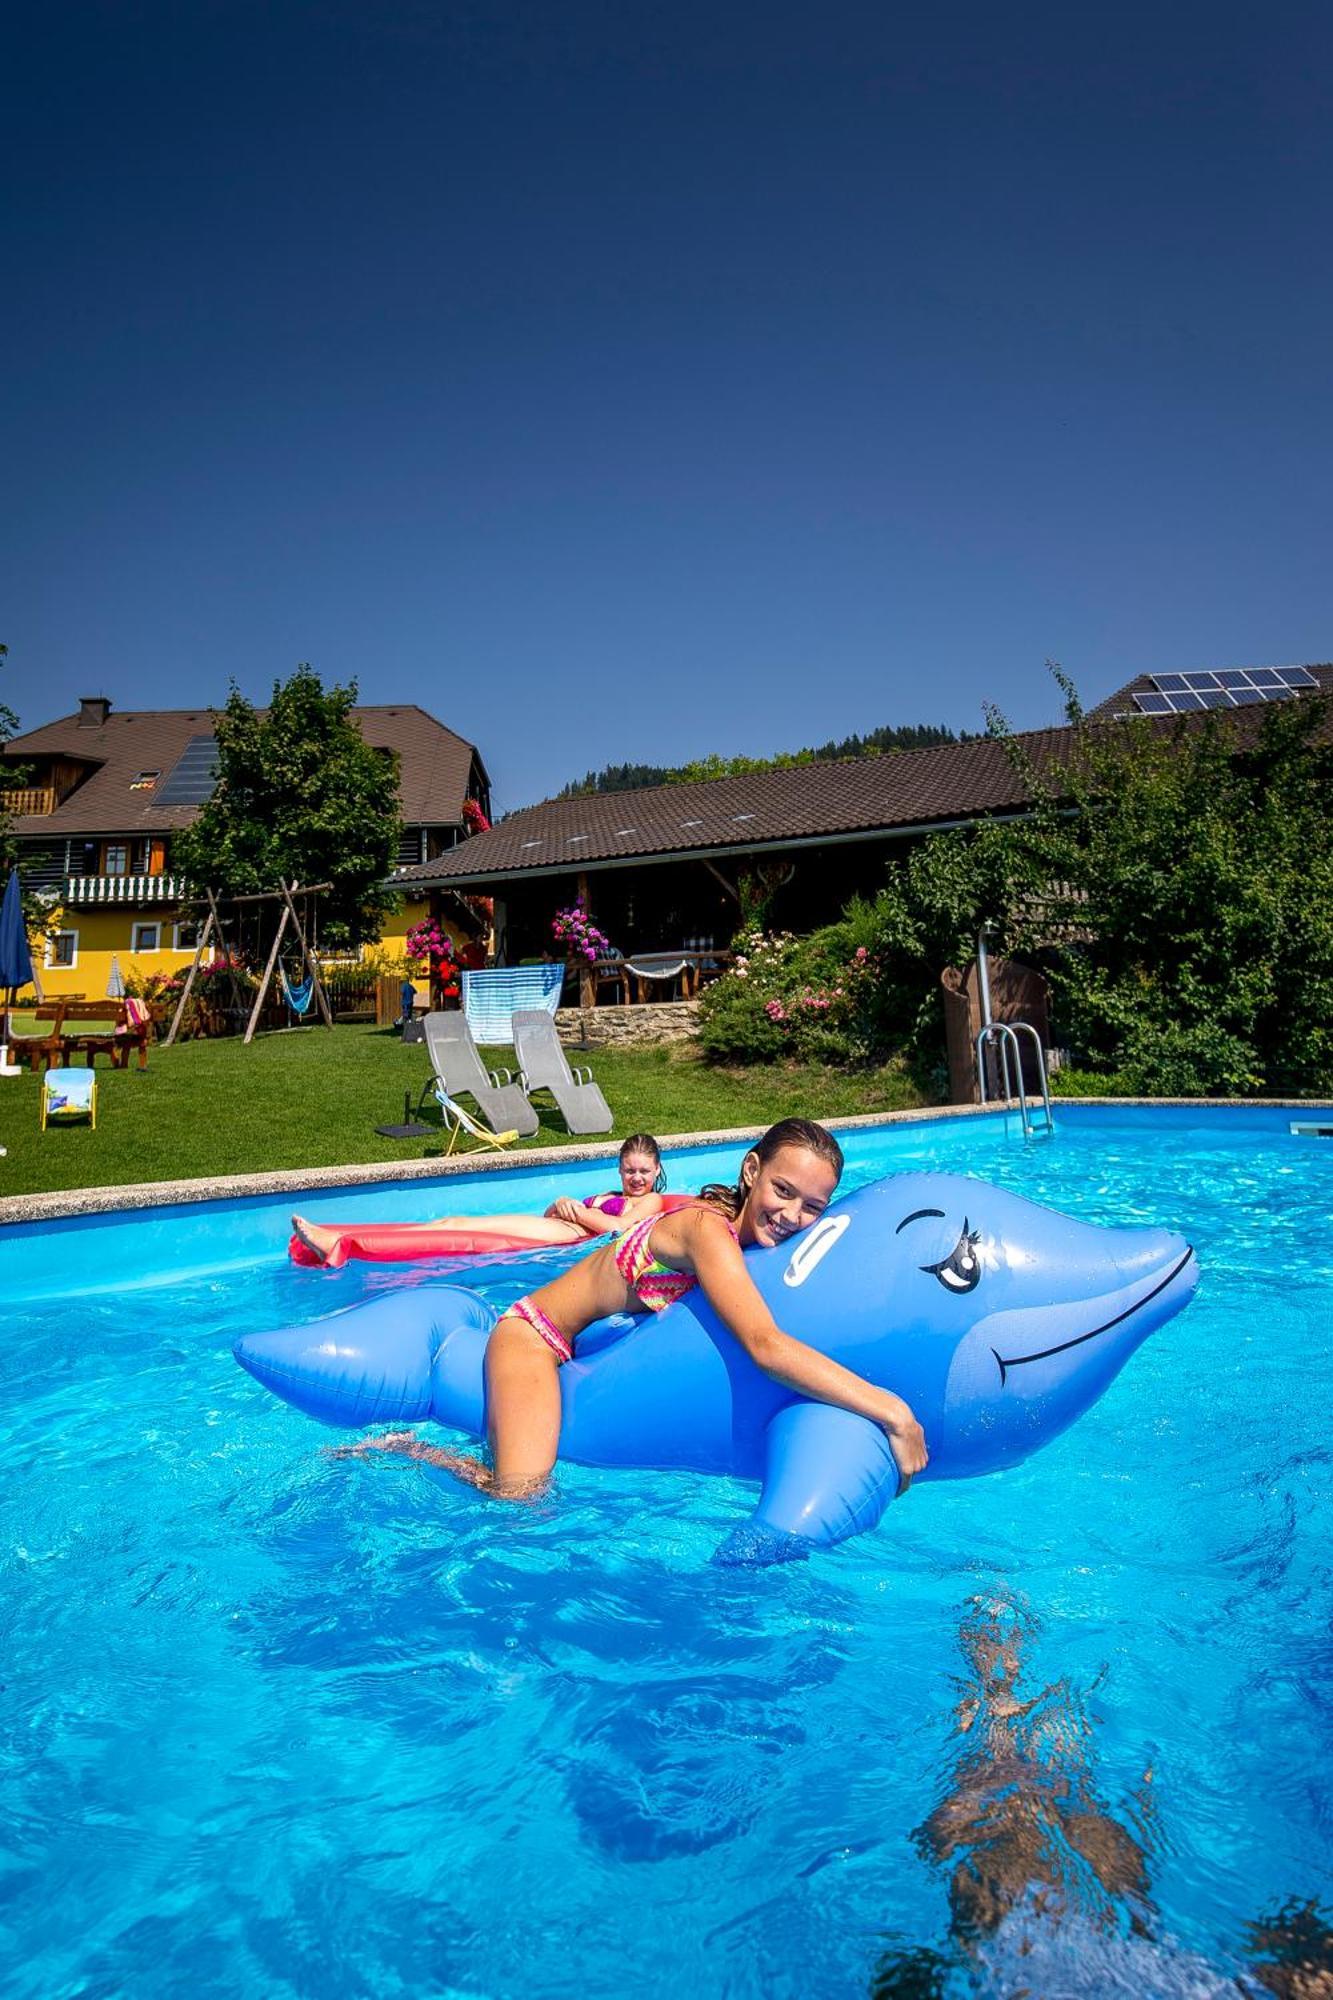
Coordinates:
<point>458,1070</point>
<point>542,1065</point>
<point>69,1093</point>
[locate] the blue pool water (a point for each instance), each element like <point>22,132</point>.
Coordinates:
<point>279,1724</point>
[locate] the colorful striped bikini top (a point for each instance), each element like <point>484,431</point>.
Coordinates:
<point>656,1285</point>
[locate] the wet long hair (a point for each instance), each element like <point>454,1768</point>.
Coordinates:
<point>801,1132</point>
<point>644,1142</point>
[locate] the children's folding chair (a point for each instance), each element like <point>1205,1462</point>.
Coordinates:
<point>460,1121</point>
<point>69,1093</point>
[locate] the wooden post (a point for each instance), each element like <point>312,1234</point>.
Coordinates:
<point>264,982</point>
<point>587,972</point>
<point>718,876</point>
<point>204,936</point>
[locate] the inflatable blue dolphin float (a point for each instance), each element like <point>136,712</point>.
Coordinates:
<point>1000,1323</point>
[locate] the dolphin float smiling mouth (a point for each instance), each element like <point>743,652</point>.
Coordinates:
<point>1008,1361</point>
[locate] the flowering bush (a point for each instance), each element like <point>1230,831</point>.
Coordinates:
<point>474,819</point>
<point>576,931</point>
<point>427,941</point>
<point>808,998</point>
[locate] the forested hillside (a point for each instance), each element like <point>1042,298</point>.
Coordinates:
<point>876,743</point>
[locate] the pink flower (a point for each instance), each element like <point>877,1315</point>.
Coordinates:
<point>861,951</point>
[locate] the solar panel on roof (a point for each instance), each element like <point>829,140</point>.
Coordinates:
<point>1241,686</point>
<point>194,775</point>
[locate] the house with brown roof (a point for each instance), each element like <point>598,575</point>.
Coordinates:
<point>105,791</point>
<point>661,868</point>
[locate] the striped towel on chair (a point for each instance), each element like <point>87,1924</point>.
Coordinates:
<point>491,998</point>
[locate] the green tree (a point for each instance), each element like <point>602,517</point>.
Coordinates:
<point>14,777</point>
<point>1174,884</point>
<point>300,795</point>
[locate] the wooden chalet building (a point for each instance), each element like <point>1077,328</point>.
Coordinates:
<point>106,791</point>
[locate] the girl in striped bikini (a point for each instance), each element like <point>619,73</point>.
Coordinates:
<point>786,1183</point>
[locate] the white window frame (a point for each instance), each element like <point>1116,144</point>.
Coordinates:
<point>62,965</point>
<point>138,950</point>
<point>176,930</point>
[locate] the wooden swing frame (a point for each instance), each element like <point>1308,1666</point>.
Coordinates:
<point>286,894</point>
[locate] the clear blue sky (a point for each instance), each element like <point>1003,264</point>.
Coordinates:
<point>639,379</point>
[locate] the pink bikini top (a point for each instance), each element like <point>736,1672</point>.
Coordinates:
<point>656,1285</point>
<point>616,1204</point>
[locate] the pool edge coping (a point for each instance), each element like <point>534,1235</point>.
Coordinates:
<point>60,1204</point>
<point>57,1204</point>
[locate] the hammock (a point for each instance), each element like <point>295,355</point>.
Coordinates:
<point>299,996</point>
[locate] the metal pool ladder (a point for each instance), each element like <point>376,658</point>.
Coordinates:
<point>1005,1035</point>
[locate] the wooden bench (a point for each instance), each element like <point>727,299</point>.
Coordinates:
<point>115,1035</point>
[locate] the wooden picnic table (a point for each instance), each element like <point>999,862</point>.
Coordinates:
<point>116,1032</point>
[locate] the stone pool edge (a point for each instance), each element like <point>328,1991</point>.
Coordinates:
<point>59,1203</point>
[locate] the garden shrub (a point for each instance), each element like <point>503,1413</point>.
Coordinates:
<point>804,998</point>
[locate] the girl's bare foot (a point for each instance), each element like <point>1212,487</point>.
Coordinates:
<point>318,1241</point>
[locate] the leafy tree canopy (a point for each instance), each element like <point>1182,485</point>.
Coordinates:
<point>300,795</point>
<point>14,777</point>
<point>1175,886</point>
<point>878,742</point>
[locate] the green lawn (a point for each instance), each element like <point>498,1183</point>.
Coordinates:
<point>314,1099</point>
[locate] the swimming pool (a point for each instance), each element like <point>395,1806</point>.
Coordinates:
<point>281,1724</point>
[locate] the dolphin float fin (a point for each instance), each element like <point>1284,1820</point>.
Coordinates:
<point>829,1475</point>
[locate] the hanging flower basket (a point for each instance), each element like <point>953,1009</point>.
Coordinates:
<point>426,943</point>
<point>576,931</point>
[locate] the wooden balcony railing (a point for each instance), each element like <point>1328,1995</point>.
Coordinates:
<point>29,799</point>
<point>124,889</point>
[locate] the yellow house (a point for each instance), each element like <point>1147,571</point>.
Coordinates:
<point>106,791</point>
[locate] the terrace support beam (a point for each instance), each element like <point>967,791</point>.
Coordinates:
<point>587,974</point>
<point>721,879</point>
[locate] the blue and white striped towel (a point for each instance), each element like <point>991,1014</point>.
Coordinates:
<point>491,998</point>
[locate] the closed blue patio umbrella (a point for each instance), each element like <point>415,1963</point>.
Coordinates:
<point>15,958</point>
<point>115,985</point>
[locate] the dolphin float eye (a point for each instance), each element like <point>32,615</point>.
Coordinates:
<point>960,1271</point>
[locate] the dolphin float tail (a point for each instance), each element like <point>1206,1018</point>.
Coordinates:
<point>409,1355</point>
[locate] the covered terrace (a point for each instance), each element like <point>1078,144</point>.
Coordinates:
<point>669,873</point>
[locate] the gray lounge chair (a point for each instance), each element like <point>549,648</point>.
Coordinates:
<point>458,1068</point>
<point>542,1065</point>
